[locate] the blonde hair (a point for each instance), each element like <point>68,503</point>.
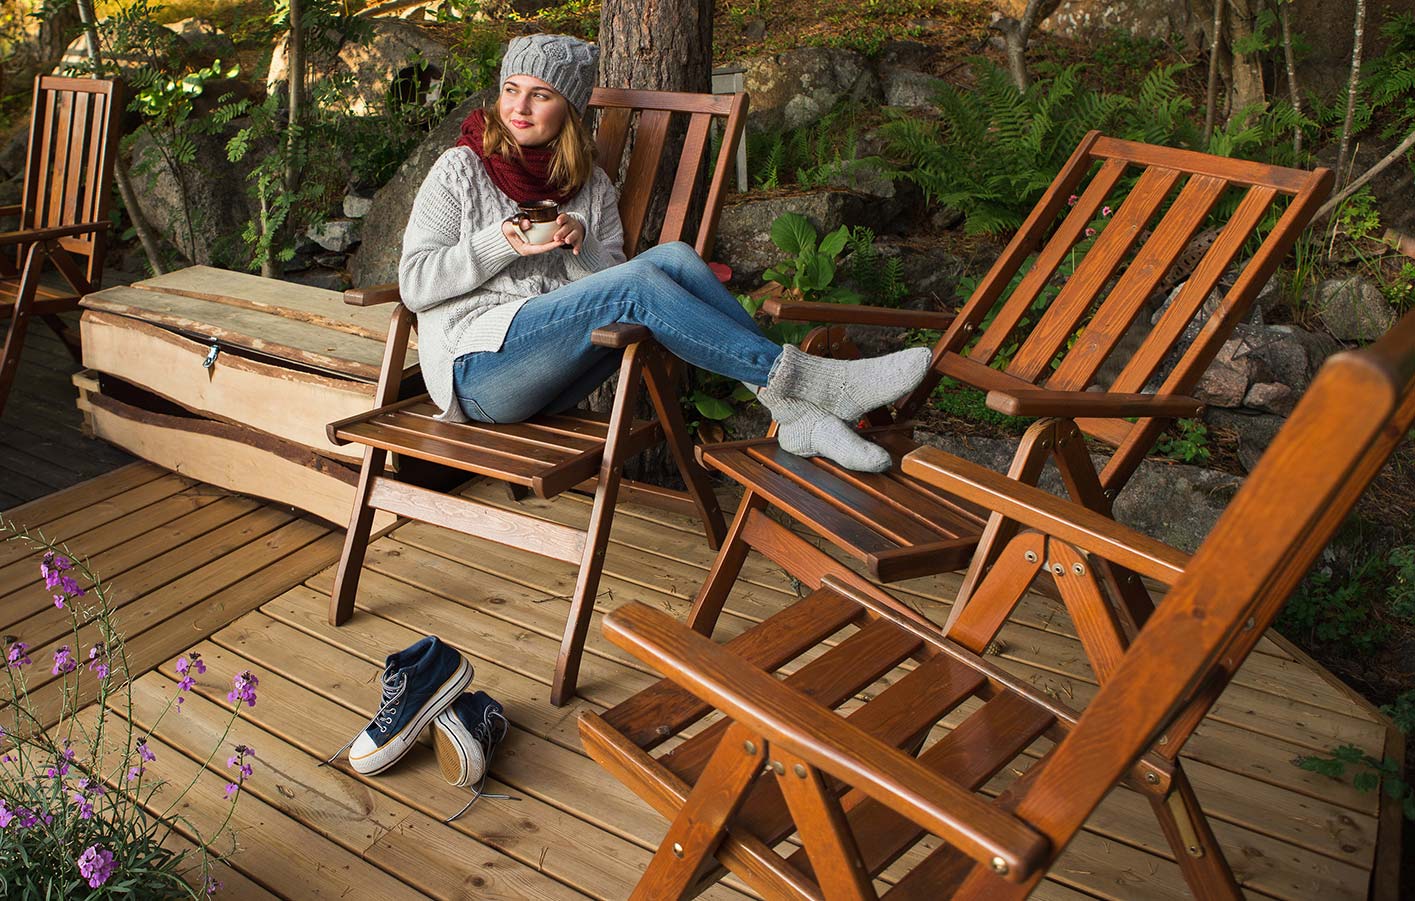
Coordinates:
<point>573,150</point>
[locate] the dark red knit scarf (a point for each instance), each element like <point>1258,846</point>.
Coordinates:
<point>524,179</point>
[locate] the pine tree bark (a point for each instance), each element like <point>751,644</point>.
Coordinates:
<point>1352,89</point>
<point>662,46</point>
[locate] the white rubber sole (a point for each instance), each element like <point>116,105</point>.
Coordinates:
<point>381,758</point>
<point>459,754</point>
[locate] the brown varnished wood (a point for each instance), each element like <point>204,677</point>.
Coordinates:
<point>854,314</point>
<point>550,454</point>
<point>854,801</point>
<point>63,210</point>
<point>1157,237</point>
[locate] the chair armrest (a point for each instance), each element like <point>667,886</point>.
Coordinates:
<point>854,314</point>
<point>1092,404</point>
<point>761,703</point>
<point>619,335</point>
<point>1041,510</point>
<point>31,235</point>
<point>13,209</point>
<point>373,296</point>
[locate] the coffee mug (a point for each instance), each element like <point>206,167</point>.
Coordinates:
<point>542,214</point>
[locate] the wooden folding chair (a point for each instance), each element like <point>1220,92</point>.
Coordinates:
<point>876,786</point>
<point>1185,217</point>
<point>549,454</point>
<point>73,139</point>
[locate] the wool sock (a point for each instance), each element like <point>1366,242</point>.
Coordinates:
<point>808,431</point>
<point>848,389</point>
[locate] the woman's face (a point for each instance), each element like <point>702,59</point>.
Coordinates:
<point>532,111</point>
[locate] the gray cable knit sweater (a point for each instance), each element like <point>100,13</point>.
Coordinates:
<point>465,281</point>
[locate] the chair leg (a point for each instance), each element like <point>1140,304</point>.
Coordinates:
<point>19,324</point>
<point>1191,838</point>
<point>707,606</point>
<point>675,434</point>
<point>1032,453</point>
<point>351,561</point>
<point>577,625</point>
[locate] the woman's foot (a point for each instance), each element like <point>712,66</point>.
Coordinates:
<point>808,431</point>
<point>848,389</point>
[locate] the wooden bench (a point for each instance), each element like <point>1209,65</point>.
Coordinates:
<point>551,454</point>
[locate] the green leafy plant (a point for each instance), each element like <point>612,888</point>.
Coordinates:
<point>1358,218</point>
<point>1339,611</point>
<point>80,812</point>
<point>1191,445</point>
<point>810,273</point>
<point>1402,711</point>
<point>1367,773</point>
<point>808,155</point>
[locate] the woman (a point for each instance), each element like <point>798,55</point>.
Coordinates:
<point>504,325</point>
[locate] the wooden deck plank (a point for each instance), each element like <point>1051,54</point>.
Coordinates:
<point>277,851</point>
<point>540,835</point>
<point>81,508</point>
<point>349,811</point>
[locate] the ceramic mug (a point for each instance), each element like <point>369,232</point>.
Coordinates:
<point>542,214</point>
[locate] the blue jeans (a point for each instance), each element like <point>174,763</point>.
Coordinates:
<point>549,365</point>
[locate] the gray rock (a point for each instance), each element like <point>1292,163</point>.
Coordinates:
<point>744,231</point>
<point>905,54</point>
<point>207,228</point>
<point>1255,431</point>
<point>356,207</point>
<point>376,262</point>
<point>755,30</point>
<point>195,42</point>
<point>336,235</point>
<point>1291,354</point>
<point>800,86</point>
<point>1174,503</point>
<point>1353,309</point>
<point>1271,397</point>
<point>909,88</point>
<point>374,63</point>
<point>1091,19</point>
<point>1225,383</point>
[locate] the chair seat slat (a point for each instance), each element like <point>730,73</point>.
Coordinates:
<point>437,450</point>
<point>473,439</point>
<point>664,709</point>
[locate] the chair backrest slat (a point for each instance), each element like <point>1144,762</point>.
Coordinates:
<point>638,186</point>
<point>1141,278</point>
<point>649,116</point>
<point>72,150</point>
<point>1071,230</point>
<point>695,148</point>
<point>1096,269</point>
<point>1352,418</point>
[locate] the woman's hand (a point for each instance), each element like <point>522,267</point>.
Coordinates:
<point>571,233</point>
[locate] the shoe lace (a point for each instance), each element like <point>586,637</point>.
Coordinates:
<point>489,733</point>
<point>394,687</point>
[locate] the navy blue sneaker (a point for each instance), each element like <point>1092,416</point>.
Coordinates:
<point>418,684</point>
<point>465,736</point>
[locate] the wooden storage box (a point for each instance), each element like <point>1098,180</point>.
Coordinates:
<point>251,369</point>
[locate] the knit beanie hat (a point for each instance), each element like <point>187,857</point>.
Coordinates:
<point>567,64</point>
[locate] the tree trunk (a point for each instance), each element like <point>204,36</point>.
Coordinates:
<point>1285,9</point>
<point>1211,96</point>
<point>56,30</point>
<point>150,246</point>
<point>1352,88</point>
<point>1016,33</point>
<point>665,46</point>
<point>1248,90</point>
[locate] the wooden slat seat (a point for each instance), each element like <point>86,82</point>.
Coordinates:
<point>879,755</point>
<point>63,213</point>
<point>1085,356</point>
<point>550,454</point>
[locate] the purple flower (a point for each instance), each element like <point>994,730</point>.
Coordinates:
<point>85,806</point>
<point>134,772</point>
<point>243,767</point>
<point>6,815</point>
<point>98,660</point>
<point>243,689</point>
<point>1105,211</point>
<point>213,885</point>
<point>96,865</point>
<point>64,661</point>
<point>186,683</point>
<point>1090,232</point>
<point>231,789</point>
<point>144,753</point>
<point>191,661</point>
<point>1071,201</point>
<point>16,655</point>
<point>65,759</point>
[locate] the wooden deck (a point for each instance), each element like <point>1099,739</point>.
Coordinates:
<point>42,445</point>
<point>254,597</point>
